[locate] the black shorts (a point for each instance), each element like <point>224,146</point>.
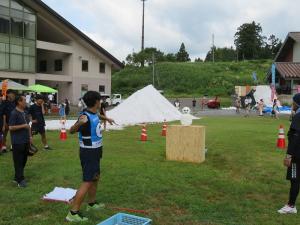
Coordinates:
<point>90,163</point>
<point>293,172</point>
<point>38,129</point>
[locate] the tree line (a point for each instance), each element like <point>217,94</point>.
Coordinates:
<point>249,41</point>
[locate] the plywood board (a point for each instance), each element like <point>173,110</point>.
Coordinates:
<point>186,143</point>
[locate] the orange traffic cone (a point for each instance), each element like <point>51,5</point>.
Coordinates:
<point>281,138</point>
<point>164,129</point>
<point>63,132</point>
<point>144,133</point>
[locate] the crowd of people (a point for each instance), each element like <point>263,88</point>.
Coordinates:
<point>23,120</point>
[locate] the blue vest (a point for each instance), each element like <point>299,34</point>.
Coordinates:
<point>95,140</point>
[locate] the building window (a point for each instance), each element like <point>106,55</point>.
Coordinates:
<point>17,37</point>
<point>29,30</point>
<point>16,5</point>
<point>58,65</point>
<point>43,66</point>
<point>4,3</point>
<point>85,65</point>
<point>4,61</point>
<point>16,27</point>
<point>4,25</point>
<point>102,88</point>
<point>102,67</point>
<point>16,62</point>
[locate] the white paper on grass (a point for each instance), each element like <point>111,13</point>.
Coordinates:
<point>60,194</point>
<point>145,106</point>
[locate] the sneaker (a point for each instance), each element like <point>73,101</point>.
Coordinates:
<point>3,148</point>
<point>96,206</point>
<point>287,210</point>
<point>22,184</point>
<point>47,148</point>
<point>76,218</point>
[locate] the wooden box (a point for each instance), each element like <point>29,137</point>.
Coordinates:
<point>186,143</point>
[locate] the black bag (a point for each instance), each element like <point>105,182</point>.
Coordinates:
<point>32,150</point>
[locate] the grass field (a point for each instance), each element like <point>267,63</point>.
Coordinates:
<point>242,181</point>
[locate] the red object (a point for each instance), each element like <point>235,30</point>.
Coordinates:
<point>4,87</point>
<point>213,104</point>
<point>164,130</point>
<point>63,132</point>
<point>281,138</point>
<point>144,133</point>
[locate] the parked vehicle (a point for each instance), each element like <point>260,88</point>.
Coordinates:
<point>214,103</point>
<point>113,100</point>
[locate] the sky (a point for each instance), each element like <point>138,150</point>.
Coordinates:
<point>116,24</point>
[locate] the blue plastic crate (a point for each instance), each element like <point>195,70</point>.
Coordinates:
<point>126,219</point>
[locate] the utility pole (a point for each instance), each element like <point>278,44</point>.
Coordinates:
<point>143,31</point>
<point>213,48</point>
<point>153,68</point>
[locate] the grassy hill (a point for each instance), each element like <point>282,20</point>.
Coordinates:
<point>189,79</point>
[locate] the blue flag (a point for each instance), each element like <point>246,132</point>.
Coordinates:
<point>254,76</point>
<point>273,74</point>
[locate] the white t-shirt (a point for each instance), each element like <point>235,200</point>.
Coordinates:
<point>28,99</point>
<point>50,97</point>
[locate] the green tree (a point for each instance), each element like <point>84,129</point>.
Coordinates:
<point>182,55</point>
<point>170,57</point>
<point>222,55</point>
<point>249,40</point>
<point>198,60</point>
<point>274,45</point>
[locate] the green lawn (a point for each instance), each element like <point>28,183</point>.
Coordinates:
<point>242,181</point>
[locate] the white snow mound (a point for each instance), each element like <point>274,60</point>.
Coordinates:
<point>144,106</point>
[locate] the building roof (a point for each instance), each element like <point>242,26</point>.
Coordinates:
<point>117,63</point>
<point>295,36</point>
<point>288,70</point>
<point>291,38</point>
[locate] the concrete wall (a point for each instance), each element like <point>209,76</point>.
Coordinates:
<point>93,78</point>
<point>50,57</point>
<point>296,52</point>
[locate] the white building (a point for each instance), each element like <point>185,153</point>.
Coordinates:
<point>38,46</point>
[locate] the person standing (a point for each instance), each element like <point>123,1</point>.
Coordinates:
<point>261,105</point>
<point>103,111</point>
<point>90,140</point>
<point>28,99</point>
<point>275,109</point>
<point>50,98</point>
<point>177,103</point>
<point>247,107</point>
<point>194,103</point>
<point>20,138</point>
<point>67,104</point>
<point>8,106</point>
<point>62,111</point>
<point>37,112</point>
<point>238,105</point>
<point>292,159</point>
<point>1,122</point>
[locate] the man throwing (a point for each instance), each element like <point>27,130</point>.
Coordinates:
<point>90,140</point>
<point>37,112</point>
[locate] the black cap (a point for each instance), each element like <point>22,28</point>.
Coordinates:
<point>296,99</point>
